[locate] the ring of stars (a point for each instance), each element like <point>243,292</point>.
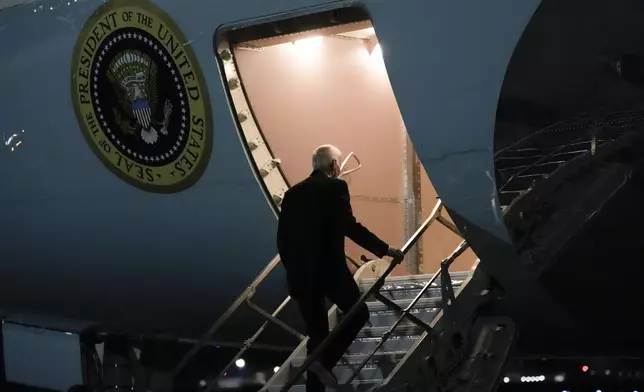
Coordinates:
<point>99,109</point>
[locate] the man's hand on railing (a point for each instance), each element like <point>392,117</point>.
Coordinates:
<point>396,254</point>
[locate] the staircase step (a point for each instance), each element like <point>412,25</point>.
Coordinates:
<point>377,368</point>
<point>433,302</point>
<point>409,286</point>
<point>414,279</point>
<point>411,291</point>
<point>368,345</point>
<point>381,316</point>
<point>356,386</point>
<point>402,339</point>
<point>402,291</point>
<point>405,328</point>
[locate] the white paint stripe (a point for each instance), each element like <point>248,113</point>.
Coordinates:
<point>148,116</point>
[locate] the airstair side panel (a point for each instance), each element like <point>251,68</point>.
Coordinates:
<point>381,359</point>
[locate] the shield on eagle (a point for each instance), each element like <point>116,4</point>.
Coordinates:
<point>143,113</point>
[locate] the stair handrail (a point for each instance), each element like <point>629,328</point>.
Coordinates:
<point>442,271</point>
<point>363,298</point>
<point>247,293</point>
<point>243,298</point>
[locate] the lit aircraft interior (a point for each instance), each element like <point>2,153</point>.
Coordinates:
<point>500,145</point>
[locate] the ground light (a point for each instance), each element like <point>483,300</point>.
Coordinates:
<point>540,378</point>
<point>275,369</point>
<point>240,363</point>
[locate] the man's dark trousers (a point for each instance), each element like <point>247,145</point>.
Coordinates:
<point>340,288</point>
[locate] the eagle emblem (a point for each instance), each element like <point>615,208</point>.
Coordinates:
<point>133,75</point>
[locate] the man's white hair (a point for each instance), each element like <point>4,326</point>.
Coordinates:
<point>324,155</point>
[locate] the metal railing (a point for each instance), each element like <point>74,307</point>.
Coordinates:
<point>449,293</point>
<point>245,298</point>
<point>249,292</point>
<point>374,291</point>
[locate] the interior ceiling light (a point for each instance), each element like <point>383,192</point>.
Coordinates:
<point>310,42</point>
<point>370,31</point>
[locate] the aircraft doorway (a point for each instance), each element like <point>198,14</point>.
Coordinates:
<point>323,80</point>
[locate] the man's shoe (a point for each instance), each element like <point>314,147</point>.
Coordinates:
<point>326,377</point>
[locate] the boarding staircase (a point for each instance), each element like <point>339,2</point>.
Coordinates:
<point>380,359</point>
<point>404,331</point>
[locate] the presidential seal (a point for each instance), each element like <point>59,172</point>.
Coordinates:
<point>140,97</point>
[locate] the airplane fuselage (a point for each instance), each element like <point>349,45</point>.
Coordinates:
<point>164,241</point>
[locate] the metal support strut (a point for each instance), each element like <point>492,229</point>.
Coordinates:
<point>246,294</point>
<point>274,320</point>
<point>245,298</point>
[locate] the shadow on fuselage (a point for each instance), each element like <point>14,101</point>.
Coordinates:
<point>569,138</point>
